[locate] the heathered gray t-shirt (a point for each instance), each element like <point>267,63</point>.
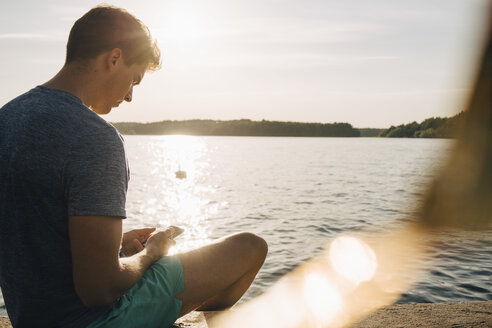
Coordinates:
<point>57,158</point>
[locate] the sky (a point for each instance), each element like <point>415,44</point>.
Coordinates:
<point>371,63</point>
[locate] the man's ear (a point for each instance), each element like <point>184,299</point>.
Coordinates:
<point>114,57</point>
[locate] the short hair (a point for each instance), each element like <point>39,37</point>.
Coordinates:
<point>104,28</point>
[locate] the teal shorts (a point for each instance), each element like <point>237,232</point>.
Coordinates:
<point>151,302</point>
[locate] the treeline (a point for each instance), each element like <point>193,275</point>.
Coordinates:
<point>242,127</point>
<point>435,127</point>
<point>370,132</point>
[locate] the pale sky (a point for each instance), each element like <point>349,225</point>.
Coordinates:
<point>371,63</point>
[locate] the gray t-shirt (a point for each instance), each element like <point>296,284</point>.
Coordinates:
<point>57,158</point>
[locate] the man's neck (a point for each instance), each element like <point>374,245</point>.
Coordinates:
<point>74,80</point>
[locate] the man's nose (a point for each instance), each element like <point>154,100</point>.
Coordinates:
<point>128,96</point>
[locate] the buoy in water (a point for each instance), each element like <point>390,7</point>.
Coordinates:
<point>180,174</point>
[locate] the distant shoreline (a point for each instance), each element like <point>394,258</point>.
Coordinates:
<point>242,127</point>
<point>435,127</point>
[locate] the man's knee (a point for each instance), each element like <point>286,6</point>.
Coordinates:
<point>254,247</point>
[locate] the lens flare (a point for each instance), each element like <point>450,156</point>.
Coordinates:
<point>322,298</point>
<point>353,259</point>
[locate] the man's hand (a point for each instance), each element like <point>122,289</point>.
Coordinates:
<point>131,242</point>
<point>158,244</point>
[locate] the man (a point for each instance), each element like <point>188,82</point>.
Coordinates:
<point>63,181</point>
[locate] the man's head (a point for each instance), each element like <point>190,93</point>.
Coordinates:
<point>113,50</point>
<point>104,28</point>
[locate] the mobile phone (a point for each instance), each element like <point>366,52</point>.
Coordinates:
<point>177,231</point>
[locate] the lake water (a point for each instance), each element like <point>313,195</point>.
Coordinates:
<point>298,194</point>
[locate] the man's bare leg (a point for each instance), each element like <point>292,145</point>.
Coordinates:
<point>217,275</point>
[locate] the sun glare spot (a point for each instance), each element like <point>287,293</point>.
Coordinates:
<point>322,298</point>
<point>353,259</point>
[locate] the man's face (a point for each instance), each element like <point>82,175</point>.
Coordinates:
<point>119,86</point>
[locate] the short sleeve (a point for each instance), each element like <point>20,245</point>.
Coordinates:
<point>96,176</point>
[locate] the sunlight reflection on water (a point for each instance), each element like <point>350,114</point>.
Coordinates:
<point>181,202</point>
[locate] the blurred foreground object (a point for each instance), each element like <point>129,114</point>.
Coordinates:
<point>461,195</point>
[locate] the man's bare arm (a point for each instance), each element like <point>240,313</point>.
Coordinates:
<point>99,275</point>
